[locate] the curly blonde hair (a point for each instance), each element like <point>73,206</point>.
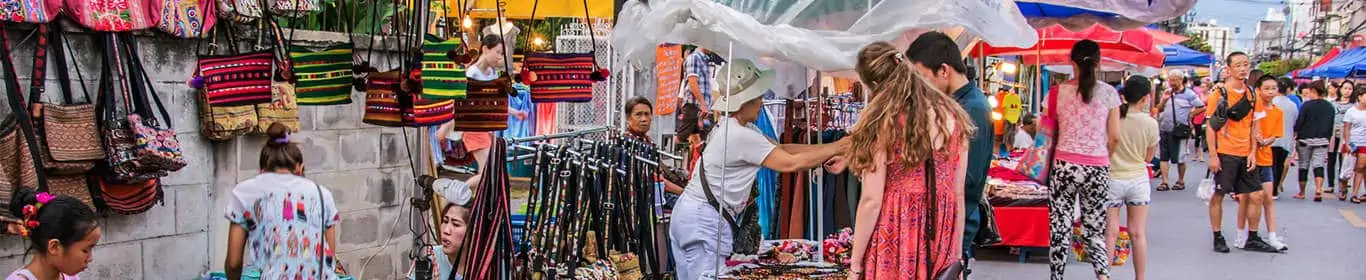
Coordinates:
<point>905,111</point>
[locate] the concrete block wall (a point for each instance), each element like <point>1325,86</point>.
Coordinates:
<point>365,166</point>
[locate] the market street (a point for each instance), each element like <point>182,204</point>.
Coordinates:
<point>1325,239</point>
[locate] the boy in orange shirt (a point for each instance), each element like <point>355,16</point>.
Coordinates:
<point>1271,128</point>
<point>1232,157</point>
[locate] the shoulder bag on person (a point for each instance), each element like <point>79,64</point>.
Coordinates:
<point>1236,112</point>
<point>745,231</point>
<point>1038,160</point>
<point>1179,131</point>
<point>953,271</point>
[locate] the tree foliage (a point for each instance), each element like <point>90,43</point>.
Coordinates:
<point>1197,42</point>
<point>1279,68</point>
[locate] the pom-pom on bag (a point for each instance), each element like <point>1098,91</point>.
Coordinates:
<point>112,15</point>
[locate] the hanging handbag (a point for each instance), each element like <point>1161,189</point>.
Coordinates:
<point>485,107</point>
<point>67,130</point>
<point>20,160</point>
<point>130,198</point>
<point>388,104</point>
<point>442,76</point>
<point>324,76</point>
<point>746,233</point>
<point>111,15</point>
<point>235,79</point>
<point>157,148</point>
<point>184,18</point>
<point>283,111</point>
<point>240,11</point>
<point>31,11</point>
<point>1037,161</point>
<point>223,122</point>
<point>563,77</point>
<point>138,150</point>
<point>955,269</point>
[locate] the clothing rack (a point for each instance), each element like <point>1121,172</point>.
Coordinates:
<point>575,133</point>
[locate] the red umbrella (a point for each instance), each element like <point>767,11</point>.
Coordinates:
<point>1154,57</point>
<point>1056,39</point>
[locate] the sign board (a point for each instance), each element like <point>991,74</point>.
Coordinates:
<point>668,75</point>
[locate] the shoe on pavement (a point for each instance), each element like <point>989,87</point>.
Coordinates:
<point>1257,245</point>
<point>1276,241</point>
<point>1219,245</point>
<point>1242,238</point>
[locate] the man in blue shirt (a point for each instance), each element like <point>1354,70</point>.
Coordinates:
<point>937,58</point>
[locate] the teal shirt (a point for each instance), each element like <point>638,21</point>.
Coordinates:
<point>442,266</point>
<point>979,150</point>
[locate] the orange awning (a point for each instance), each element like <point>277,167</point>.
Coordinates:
<point>522,9</point>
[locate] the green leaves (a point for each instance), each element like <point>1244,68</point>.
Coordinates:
<point>350,16</point>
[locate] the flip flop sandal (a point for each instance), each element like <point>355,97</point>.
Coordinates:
<point>1163,187</point>
<point>1357,199</point>
<point>1179,186</point>
<point>1342,197</point>
<point>1318,198</point>
<point>1299,196</point>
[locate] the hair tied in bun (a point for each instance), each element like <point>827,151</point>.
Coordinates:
<point>282,139</point>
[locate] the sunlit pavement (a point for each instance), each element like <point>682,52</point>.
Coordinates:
<point>1327,241</point>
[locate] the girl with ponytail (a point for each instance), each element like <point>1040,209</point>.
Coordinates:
<point>282,214</point>
<point>1081,159</point>
<point>1129,186</point>
<point>908,126</point>
<point>61,230</point>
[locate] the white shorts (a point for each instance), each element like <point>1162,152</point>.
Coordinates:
<point>1130,192</point>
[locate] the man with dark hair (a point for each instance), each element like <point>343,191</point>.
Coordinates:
<point>938,58</point>
<point>1231,152</point>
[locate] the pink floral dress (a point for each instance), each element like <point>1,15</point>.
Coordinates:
<point>897,249</point>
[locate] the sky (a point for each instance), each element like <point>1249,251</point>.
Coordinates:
<point>1237,13</point>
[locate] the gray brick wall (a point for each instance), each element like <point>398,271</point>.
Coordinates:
<point>365,166</point>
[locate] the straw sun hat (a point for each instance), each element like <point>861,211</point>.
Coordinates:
<point>744,83</point>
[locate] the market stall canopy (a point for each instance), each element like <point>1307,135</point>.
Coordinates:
<point>1057,40</point>
<point>824,35</point>
<point>1115,14</point>
<point>1332,53</point>
<point>1178,55</point>
<point>522,9</point>
<point>1165,38</point>
<point>1349,63</point>
<point>1152,58</point>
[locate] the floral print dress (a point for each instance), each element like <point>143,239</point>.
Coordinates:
<point>285,217</point>
<point>897,247</point>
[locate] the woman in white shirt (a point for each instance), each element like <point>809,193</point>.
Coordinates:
<point>701,237</point>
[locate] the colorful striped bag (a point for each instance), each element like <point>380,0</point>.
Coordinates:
<point>386,104</point>
<point>560,77</point>
<point>241,79</point>
<point>442,77</point>
<point>485,108</point>
<point>324,76</point>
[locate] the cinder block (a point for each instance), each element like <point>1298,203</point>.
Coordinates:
<point>349,189</point>
<point>176,257</point>
<point>391,187</point>
<point>379,266</point>
<point>117,261</point>
<point>347,116</point>
<point>359,149</point>
<point>392,151</point>
<point>195,208</point>
<point>320,150</point>
<point>156,222</point>
<point>198,155</point>
<point>359,229</point>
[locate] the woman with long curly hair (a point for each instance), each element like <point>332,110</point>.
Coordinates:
<point>909,146</point>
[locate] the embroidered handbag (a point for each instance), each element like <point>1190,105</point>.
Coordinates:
<point>324,76</point>
<point>442,76</point>
<point>240,11</point>
<point>111,15</point>
<point>68,129</point>
<point>485,107</point>
<point>158,150</point>
<point>242,79</point>
<point>1037,161</point>
<point>387,104</point>
<point>184,18</point>
<point>284,110</point>
<point>293,8</point>
<point>560,77</point>
<point>222,122</point>
<point>33,11</point>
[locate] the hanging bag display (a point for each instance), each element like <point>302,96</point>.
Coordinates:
<point>284,109</point>
<point>124,187</point>
<point>31,11</point>
<point>222,122</point>
<point>236,79</point>
<point>111,15</point>
<point>20,160</point>
<point>68,129</point>
<point>157,147</point>
<point>240,11</point>
<point>388,104</point>
<point>485,108</point>
<point>442,76</point>
<point>184,18</point>
<point>324,76</point>
<point>563,77</point>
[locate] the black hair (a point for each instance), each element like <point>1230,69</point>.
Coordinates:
<point>1255,75</point>
<point>1197,82</point>
<point>1319,88</point>
<point>1286,85</point>
<point>1229,58</point>
<point>1086,54</point>
<point>491,41</point>
<point>1353,87</point>
<point>631,104</point>
<point>279,152</point>
<point>935,49</point>
<point>1266,78</point>
<point>1135,89</point>
<point>64,218</point>
<point>1026,119</point>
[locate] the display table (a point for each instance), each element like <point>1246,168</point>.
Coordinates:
<point>1023,226</point>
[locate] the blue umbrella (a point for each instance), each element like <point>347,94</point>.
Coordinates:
<point>1118,15</point>
<point>1178,55</point>
<point>1349,63</point>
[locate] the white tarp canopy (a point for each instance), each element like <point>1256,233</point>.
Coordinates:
<point>824,35</point>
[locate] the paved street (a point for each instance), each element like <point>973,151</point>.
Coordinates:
<point>1327,241</point>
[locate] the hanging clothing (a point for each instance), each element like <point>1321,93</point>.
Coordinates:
<point>285,217</point>
<point>896,249</point>
<point>766,183</point>
<point>524,127</point>
<point>545,118</point>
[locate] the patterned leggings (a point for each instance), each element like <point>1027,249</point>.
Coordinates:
<point>1070,182</point>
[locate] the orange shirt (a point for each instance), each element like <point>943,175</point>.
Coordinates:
<point>1236,137</point>
<point>1269,124</point>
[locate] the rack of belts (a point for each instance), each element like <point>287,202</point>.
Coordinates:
<point>587,190</point>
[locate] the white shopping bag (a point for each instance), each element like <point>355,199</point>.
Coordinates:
<point>1348,167</point>
<point>1206,190</point>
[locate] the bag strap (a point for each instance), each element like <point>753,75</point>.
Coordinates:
<point>143,85</point>
<point>322,229</point>
<point>711,199</point>
<point>14,99</point>
<point>58,37</point>
<point>931,208</point>
<point>38,79</point>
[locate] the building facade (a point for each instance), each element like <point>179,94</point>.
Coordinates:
<point>1220,38</point>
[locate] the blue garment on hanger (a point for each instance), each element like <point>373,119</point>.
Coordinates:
<point>522,102</point>
<point>767,182</point>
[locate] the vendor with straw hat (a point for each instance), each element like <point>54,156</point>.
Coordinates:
<point>710,210</point>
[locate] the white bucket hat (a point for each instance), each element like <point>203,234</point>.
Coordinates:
<point>744,83</point>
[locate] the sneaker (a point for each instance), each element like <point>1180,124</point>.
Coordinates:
<point>1242,238</point>
<point>1276,241</point>
<point>1219,245</point>
<point>1257,245</point>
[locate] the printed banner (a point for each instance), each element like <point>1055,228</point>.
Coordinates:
<point>668,74</point>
